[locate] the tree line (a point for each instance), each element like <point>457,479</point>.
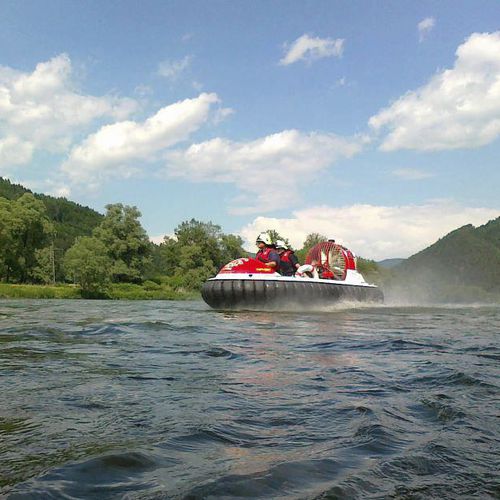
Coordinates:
<point>117,250</point>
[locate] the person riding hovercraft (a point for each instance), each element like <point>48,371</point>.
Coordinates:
<point>288,260</point>
<point>267,253</point>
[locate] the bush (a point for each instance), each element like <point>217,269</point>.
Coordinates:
<point>8,291</point>
<point>88,264</point>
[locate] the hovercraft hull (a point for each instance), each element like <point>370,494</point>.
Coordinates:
<point>283,293</point>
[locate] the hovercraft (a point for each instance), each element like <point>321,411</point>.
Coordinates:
<point>247,284</point>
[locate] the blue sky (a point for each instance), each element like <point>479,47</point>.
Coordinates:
<point>374,122</point>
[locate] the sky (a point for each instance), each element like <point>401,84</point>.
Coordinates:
<point>376,123</point>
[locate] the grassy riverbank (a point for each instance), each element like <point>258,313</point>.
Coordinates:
<point>116,291</point>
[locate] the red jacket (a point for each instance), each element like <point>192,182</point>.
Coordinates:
<point>266,256</point>
<point>288,262</point>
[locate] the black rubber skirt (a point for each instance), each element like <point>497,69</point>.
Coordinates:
<point>254,294</point>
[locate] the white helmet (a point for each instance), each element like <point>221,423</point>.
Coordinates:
<point>265,238</point>
<point>281,244</point>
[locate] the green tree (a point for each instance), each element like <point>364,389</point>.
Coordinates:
<point>25,229</point>
<point>275,236</point>
<point>194,267</point>
<point>232,247</point>
<point>163,260</point>
<point>203,234</point>
<point>126,241</point>
<point>69,219</point>
<point>195,253</point>
<point>372,272</point>
<point>44,271</point>
<point>311,240</point>
<point>212,243</point>
<point>88,264</point>
<point>6,243</point>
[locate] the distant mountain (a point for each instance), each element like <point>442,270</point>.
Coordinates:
<point>462,266</point>
<point>70,219</point>
<point>390,263</point>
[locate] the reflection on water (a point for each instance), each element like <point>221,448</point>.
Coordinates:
<point>167,399</point>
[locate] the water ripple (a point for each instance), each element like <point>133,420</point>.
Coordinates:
<point>172,400</point>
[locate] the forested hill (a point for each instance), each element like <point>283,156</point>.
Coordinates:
<point>69,218</point>
<point>464,265</point>
<point>390,263</point>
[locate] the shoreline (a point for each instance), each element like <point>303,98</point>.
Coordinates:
<point>116,291</point>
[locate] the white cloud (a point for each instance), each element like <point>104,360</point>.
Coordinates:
<point>161,238</point>
<point>221,114</point>
<point>424,27</point>
<point>375,232</point>
<point>14,151</point>
<point>43,110</point>
<point>171,70</point>
<point>52,187</point>
<point>311,48</point>
<point>157,239</point>
<point>271,169</point>
<point>458,108</point>
<point>112,149</point>
<point>57,189</point>
<point>412,174</point>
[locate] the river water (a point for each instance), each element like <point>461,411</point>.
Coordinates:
<point>172,400</point>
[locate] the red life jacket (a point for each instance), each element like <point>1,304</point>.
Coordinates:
<point>263,256</point>
<point>287,266</point>
<point>285,256</point>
